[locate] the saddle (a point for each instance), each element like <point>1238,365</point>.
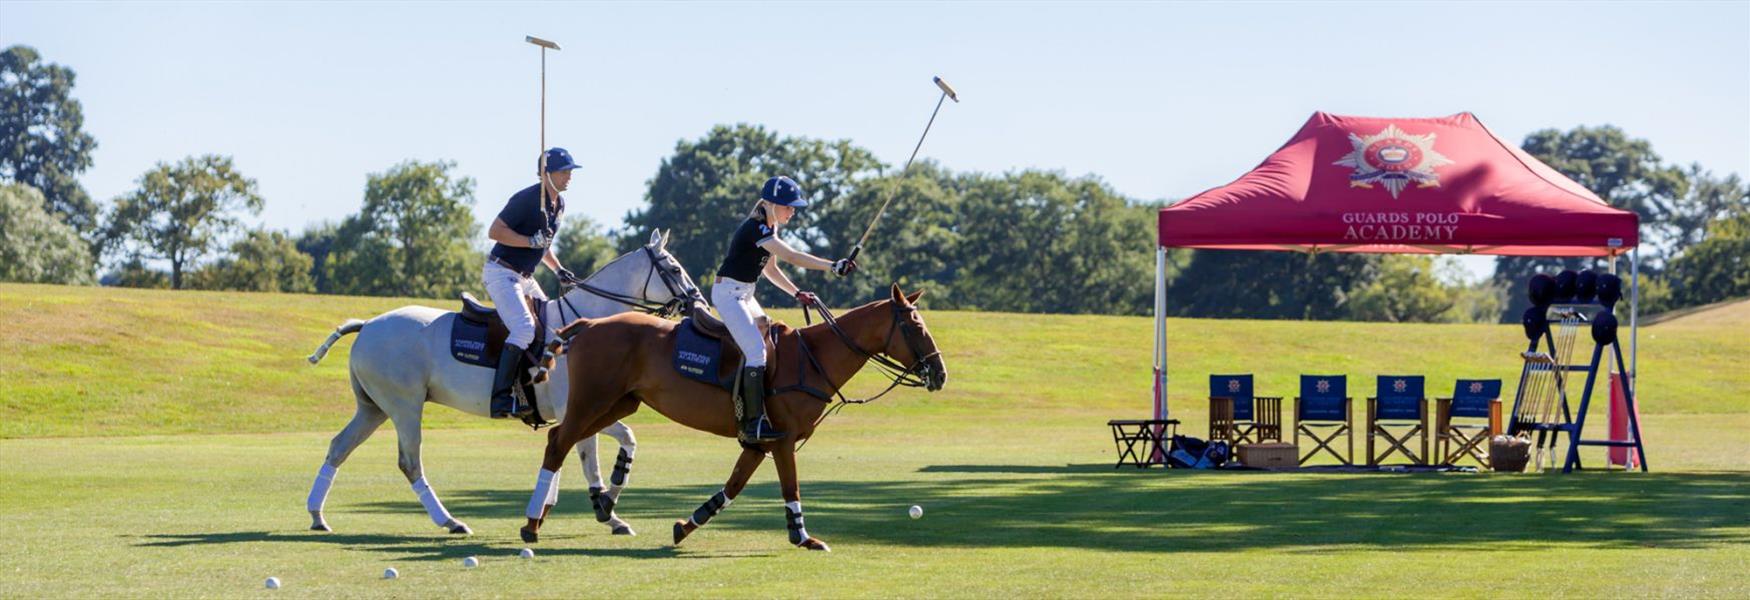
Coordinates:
<point>477,335</point>
<point>705,352</point>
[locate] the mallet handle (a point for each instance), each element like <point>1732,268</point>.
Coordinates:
<point>914,154</point>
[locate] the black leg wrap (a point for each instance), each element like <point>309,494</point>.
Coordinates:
<point>710,508</point>
<point>622,468</point>
<point>793,520</point>
<point>602,503</point>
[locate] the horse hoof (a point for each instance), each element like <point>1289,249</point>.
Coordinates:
<point>459,528</point>
<point>680,532</point>
<point>626,530</point>
<point>321,527</point>
<point>815,544</point>
<point>530,536</point>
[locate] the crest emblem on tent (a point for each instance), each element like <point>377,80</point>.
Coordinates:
<point>1393,158</point>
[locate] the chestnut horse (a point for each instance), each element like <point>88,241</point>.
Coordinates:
<point>808,367</point>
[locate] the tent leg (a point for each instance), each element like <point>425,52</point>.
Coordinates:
<point>1160,356</point>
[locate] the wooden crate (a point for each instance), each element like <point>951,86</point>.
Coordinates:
<point>1275,455</point>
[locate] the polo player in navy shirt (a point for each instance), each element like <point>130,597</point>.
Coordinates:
<point>524,233</point>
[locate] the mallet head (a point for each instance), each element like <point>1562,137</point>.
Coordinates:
<point>540,42</point>
<point>947,90</point>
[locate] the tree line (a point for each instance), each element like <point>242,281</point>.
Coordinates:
<point>1021,241</point>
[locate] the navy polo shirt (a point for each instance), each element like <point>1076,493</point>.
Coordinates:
<point>523,215</point>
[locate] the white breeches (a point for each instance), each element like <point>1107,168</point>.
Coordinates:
<point>508,289</point>
<point>735,303</point>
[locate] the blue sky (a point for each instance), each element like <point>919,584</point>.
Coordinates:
<point>1160,100</point>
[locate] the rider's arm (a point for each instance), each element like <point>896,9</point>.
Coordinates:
<point>552,260</point>
<point>776,275</point>
<point>793,256</point>
<point>503,234</point>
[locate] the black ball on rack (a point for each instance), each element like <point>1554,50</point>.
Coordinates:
<point>1609,290</point>
<point>1604,328</point>
<point>1535,321</point>
<point>1587,289</point>
<point>1565,286</point>
<point>1540,289</point>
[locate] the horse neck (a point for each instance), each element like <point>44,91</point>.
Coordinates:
<point>865,325</point>
<point>624,276</point>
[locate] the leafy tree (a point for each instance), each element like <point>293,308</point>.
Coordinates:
<point>1406,291</point>
<point>180,212</point>
<point>316,242</point>
<point>582,247</point>
<point>263,261</point>
<point>916,242</point>
<point>35,246</point>
<point>705,189</point>
<point>1623,171</point>
<point>1270,285</point>
<point>1717,268</point>
<point>1707,199</point>
<point>414,236</point>
<point>1040,242</point>
<point>42,143</point>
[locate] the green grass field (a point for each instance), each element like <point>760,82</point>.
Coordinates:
<point>160,444</point>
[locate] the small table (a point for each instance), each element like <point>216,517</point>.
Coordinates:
<point>1139,441</point>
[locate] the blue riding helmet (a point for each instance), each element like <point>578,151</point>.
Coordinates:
<point>559,160</point>
<point>783,190</point>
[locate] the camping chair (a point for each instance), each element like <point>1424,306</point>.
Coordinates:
<point>1323,403</point>
<point>1399,404</point>
<point>1471,399</point>
<point>1238,417</point>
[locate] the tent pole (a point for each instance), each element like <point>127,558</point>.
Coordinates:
<point>1634,310</point>
<point>1160,374</point>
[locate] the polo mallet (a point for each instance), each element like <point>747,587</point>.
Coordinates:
<point>947,93</point>
<point>545,181</point>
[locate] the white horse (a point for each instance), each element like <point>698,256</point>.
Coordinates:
<point>401,360</point>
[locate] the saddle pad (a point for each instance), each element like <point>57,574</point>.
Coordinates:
<point>695,356</point>
<point>468,342</point>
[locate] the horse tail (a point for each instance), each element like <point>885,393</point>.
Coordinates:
<point>349,327</point>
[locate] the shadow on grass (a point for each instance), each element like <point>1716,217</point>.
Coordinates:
<point>414,548</point>
<point>1094,507</point>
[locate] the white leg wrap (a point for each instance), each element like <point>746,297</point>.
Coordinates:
<point>433,507</point>
<point>319,489</point>
<point>793,518</point>
<point>543,490</point>
<point>553,490</point>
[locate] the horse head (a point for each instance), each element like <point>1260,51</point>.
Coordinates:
<point>648,279</point>
<point>914,347</point>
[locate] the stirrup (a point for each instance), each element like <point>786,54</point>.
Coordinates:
<point>761,431</point>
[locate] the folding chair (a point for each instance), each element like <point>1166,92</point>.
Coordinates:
<point>1238,417</point>
<point>1323,403</point>
<point>1471,399</point>
<point>1398,404</point>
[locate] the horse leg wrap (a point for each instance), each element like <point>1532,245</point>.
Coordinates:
<point>545,485</point>
<point>434,508</point>
<point>319,489</point>
<point>603,504</point>
<point>622,469</point>
<point>710,508</point>
<point>793,520</point>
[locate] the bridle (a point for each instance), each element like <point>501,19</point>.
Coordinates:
<point>916,375</point>
<point>682,293</point>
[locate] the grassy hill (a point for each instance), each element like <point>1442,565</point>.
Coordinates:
<point>87,361</point>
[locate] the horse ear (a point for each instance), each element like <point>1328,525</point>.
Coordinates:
<point>895,295</point>
<point>662,241</point>
<point>655,237</point>
<point>912,298</point>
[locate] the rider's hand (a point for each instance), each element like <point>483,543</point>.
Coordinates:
<point>566,277</point>
<point>843,267</point>
<point>540,240</point>
<point>807,298</point>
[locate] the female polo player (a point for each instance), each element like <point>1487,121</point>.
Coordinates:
<point>755,242</point>
<point>524,233</point>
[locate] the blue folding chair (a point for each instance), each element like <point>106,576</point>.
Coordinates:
<point>1238,417</point>
<point>1471,399</point>
<point>1323,404</point>
<point>1398,404</point>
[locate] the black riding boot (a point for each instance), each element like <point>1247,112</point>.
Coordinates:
<point>504,403</point>
<point>751,408</point>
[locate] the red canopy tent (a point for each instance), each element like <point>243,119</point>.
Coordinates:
<point>1365,184</point>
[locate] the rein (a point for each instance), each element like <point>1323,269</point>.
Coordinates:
<point>900,375</point>
<point>678,299</point>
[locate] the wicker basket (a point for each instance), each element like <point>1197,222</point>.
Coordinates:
<point>1509,454</point>
<point>1277,456</point>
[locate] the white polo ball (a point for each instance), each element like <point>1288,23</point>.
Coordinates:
<point>273,583</point>
<point>470,562</point>
<point>527,553</point>
<point>391,573</point>
<point>916,512</point>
